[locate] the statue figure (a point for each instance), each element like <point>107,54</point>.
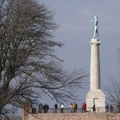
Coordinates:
<point>95,27</point>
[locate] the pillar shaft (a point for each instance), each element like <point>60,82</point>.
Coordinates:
<point>95,65</point>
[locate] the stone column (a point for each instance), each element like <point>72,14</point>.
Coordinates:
<point>95,65</point>
<point>95,95</point>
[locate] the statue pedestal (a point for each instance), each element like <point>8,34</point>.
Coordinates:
<point>97,97</point>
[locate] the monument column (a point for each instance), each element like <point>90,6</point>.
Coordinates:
<point>95,95</point>
<point>95,65</point>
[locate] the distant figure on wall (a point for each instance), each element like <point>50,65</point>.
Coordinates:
<point>111,108</point>
<point>107,108</point>
<point>84,106</point>
<point>71,107</point>
<point>61,108</point>
<point>74,107</point>
<point>55,107</point>
<point>45,108</point>
<point>94,108</point>
<point>40,108</point>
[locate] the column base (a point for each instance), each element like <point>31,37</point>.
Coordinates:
<point>97,97</point>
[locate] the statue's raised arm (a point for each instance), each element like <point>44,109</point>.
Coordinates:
<point>95,27</point>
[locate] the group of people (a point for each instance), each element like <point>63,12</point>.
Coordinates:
<point>61,108</point>
<point>84,108</point>
<point>43,108</point>
<point>109,108</point>
<point>73,107</point>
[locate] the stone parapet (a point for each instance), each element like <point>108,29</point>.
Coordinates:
<point>75,116</point>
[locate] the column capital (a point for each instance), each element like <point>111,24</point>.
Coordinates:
<point>95,41</point>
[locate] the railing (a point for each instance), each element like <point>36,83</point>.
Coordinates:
<point>52,110</point>
<point>79,110</point>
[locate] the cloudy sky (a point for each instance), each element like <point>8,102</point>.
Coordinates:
<point>75,31</point>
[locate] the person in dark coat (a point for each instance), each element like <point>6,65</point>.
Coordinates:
<point>107,108</point>
<point>111,108</point>
<point>55,107</point>
<point>40,108</point>
<point>45,108</point>
<point>94,108</point>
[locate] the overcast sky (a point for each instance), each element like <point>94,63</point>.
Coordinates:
<point>75,31</point>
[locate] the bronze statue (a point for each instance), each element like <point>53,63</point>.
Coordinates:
<point>95,27</point>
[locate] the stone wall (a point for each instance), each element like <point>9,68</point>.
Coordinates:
<point>75,116</point>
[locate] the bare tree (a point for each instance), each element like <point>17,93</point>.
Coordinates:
<point>29,67</point>
<point>114,93</point>
<point>114,87</point>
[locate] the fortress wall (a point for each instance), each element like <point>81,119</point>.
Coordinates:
<point>75,116</point>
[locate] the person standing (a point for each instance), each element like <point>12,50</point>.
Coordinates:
<point>107,108</point>
<point>55,107</point>
<point>94,108</point>
<point>111,108</point>
<point>45,108</point>
<point>71,107</point>
<point>61,108</point>
<point>40,108</point>
<point>84,107</point>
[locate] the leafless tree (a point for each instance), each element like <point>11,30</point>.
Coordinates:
<point>114,93</point>
<point>114,88</point>
<point>29,67</point>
